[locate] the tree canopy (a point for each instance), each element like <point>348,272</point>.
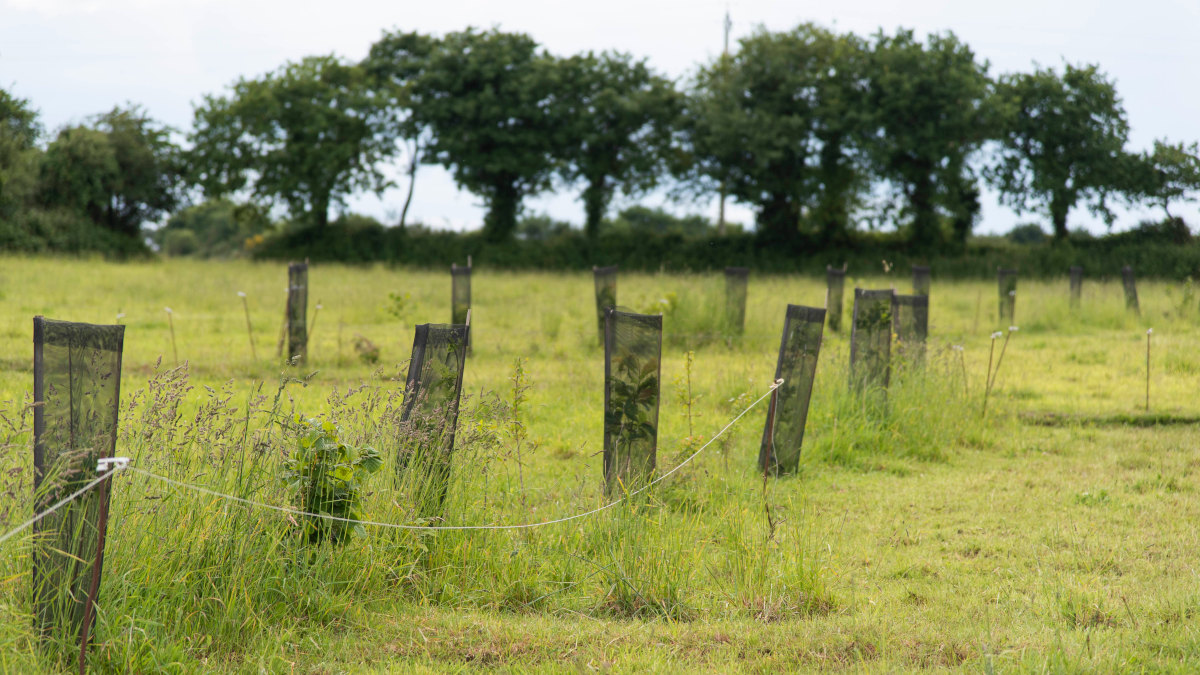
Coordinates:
<point>620,120</point>
<point>491,101</point>
<point>307,136</point>
<point>1062,140</point>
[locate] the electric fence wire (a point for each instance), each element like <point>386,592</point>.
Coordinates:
<point>66,500</point>
<point>521,526</point>
<point>325,516</point>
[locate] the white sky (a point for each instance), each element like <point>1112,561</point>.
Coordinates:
<point>76,58</point>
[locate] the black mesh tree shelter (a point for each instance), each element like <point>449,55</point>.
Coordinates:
<point>1076,285</point>
<point>1131,298</point>
<point>736,281</point>
<point>1007,286</point>
<point>76,393</point>
<point>460,294</point>
<point>871,339</point>
<point>606,293</point>
<point>787,413</point>
<point>835,280</point>
<point>297,312</point>
<point>632,357</point>
<point>429,415</point>
<point>921,279</point>
<point>910,323</point>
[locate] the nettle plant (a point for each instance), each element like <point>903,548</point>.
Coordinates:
<point>327,476</point>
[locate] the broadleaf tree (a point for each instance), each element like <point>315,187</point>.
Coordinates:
<point>779,124</point>
<point>19,132</point>
<point>621,121</point>
<point>489,99</point>
<point>121,171</point>
<point>307,136</point>
<point>930,106</point>
<point>1061,141</point>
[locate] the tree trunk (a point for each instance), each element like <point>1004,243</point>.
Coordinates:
<point>966,210</point>
<point>924,224</point>
<point>1059,206</point>
<point>596,197</point>
<point>501,219</point>
<point>778,220</point>
<point>412,180</point>
<point>832,213</point>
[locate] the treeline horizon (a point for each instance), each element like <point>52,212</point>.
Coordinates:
<point>828,137</point>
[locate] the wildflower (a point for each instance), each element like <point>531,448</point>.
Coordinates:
<point>168,310</point>
<point>120,315</point>
<point>241,294</point>
<point>1149,331</point>
<point>1013,329</point>
<point>957,348</point>
<point>997,335</point>
<point>319,306</point>
<point>1012,294</point>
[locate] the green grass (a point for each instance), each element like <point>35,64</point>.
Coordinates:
<point>1058,534</point>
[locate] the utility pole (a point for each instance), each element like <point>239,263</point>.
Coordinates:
<point>724,55</point>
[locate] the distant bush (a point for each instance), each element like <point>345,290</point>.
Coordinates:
<point>1029,233</point>
<point>64,231</point>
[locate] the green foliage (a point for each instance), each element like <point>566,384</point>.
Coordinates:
<point>326,475</point>
<point>212,229</point>
<point>1029,233</point>
<point>540,227</point>
<point>19,130</point>
<point>1171,173</point>
<point>621,119</point>
<point>120,172</point>
<point>778,125</point>
<point>484,96</point>
<point>307,135</point>
<point>640,220</point>
<point>930,114</point>
<point>1061,142</point>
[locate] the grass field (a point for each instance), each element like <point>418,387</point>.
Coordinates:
<point>1057,534</point>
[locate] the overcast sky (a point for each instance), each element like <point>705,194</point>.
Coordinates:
<point>76,58</point>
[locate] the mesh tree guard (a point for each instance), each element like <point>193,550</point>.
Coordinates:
<point>921,279</point>
<point>429,415</point>
<point>632,356</point>
<point>606,293</point>
<point>297,310</point>
<point>787,413</point>
<point>1076,285</point>
<point>1007,284</point>
<point>871,339</point>
<point>910,323</point>
<point>736,281</point>
<point>1131,298</point>
<point>460,296</point>
<point>76,392</point>
<point>835,284</point>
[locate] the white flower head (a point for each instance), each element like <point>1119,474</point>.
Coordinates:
<point>241,294</point>
<point>1013,329</point>
<point>997,334</point>
<point>167,310</point>
<point>957,348</point>
<point>120,315</point>
<point>1012,294</point>
<point>1149,331</point>
<point>320,306</point>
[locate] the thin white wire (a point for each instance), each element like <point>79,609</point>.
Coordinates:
<point>326,516</point>
<point>52,509</point>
